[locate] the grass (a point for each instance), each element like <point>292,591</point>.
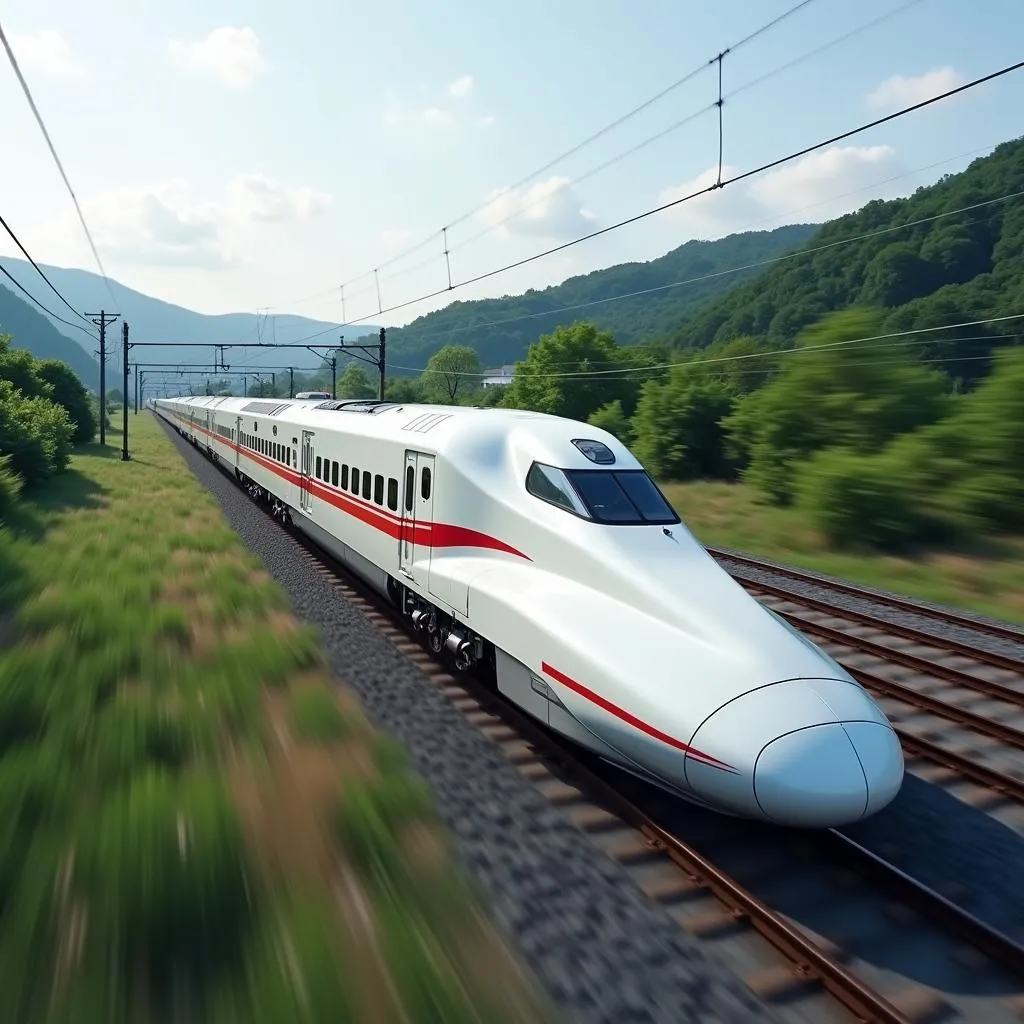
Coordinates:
<point>985,579</point>
<point>195,822</point>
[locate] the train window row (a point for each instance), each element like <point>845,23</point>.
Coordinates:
<point>360,482</point>
<point>617,497</point>
<point>282,453</point>
<point>226,432</point>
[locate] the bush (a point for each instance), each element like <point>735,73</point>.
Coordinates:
<point>35,433</point>
<point>70,393</point>
<point>861,500</point>
<point>10,487</point>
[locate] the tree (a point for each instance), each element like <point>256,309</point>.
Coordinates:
<point>610,417</point>
<point>451,371</point>
<point>566,373</point>
<point>69,392</point>
<point>354,383</point>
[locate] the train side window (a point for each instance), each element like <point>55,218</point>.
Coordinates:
<point>378,489</point>
<point>367,484</point>
<point>425,483</point>
<point>550,485</point>
<point>334,473</point>
<point>277,452</point>
<point>295,458</point>
<point>344,476</point>
<point>355,480</point>
<point>392,494</point>
<point>410,474</point>
<point>318,467</point>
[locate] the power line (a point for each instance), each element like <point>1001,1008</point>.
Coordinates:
<point>758,264</point>
<point>39,271</point>
<point>56,158</point>
<point>683,199</point>
<point>620,373</point>
<point>689,76</point>
<point>49,312</point>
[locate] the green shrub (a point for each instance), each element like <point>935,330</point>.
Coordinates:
<point>35,432</point>
<point>10,487</point>
<point>860,500</point>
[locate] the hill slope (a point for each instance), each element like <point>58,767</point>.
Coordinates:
<point>631,320</point>
<point>32,330</point>
<point>959,268</point>
<point>155,320</point>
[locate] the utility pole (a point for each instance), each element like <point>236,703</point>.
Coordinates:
<point>334,376</point>
<point>380,365</point>
<point>105,318</point>
<point>124,394</point>
<point>362,352</point>
<point>291,381</point>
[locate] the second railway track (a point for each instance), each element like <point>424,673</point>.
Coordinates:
<point>821,928</point>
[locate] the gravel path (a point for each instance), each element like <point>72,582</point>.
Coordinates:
<point>600,948</point>
<point>922,620</point>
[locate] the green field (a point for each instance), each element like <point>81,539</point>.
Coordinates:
<point>197,824</point>
<point>987,579</point>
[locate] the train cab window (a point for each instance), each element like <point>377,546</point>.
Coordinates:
<point>410,475</point>
<point>367,485</point>
<point>550,485</point>
<point>425,483</point>
<point>623,497</point>
<point>392,494</point>
<point>344,476</point>
<point>378,489</point>
<point>355,480</point>
<point>318,467</point>
<point>334,473</point>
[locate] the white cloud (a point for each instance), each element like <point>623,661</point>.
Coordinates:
<point>163,224</point>
<point>461,87</point>
<point>438,116</point>
<point>46,52</point>
<point>232,54</point>
<point>817,187</point>
<point>902,91</point>
<point>549,208</point>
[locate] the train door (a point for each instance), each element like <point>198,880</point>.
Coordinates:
<point>417,511</point>
<point>306,472</point>
<point>238,442</point>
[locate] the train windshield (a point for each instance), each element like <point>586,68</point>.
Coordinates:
<point>621,497</point>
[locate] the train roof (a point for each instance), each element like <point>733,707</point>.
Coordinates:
<point>480,433</point>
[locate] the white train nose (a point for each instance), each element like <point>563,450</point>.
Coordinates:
<point>803,752</point>
<point>832,774</point>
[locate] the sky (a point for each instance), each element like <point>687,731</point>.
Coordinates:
<point>268,157</point>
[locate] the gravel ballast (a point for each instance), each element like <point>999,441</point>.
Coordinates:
<point>600,948</point>
<point>602,951</point>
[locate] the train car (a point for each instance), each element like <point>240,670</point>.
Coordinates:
<point>539,549</point>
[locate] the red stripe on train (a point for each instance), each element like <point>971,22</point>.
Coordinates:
<point>433,535</point>
<point>630,719</point>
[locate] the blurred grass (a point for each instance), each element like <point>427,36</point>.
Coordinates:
<point>985,579</point>
<point>160,808</point>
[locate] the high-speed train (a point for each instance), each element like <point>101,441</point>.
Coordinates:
<point>539,548</point>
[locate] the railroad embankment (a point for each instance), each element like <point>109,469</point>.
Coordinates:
<point>198,822</point>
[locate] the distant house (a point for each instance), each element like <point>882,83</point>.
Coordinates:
<point>499,375</point>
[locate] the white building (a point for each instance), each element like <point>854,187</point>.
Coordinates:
<point>499,375</point>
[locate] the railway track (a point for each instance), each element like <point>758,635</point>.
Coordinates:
<point>957,706</point>
<point>822,928</point>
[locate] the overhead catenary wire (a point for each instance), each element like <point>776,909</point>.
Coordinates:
<point>17,284</point>
<point>39,271</point>
<point>624,371</point>
<point>694,72</point>
<point>53,152</point>
<point>757,264</point>
<point>741,176</point>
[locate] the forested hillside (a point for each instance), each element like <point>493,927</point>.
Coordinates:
<point>952,269</point>
<point>33,331</point>
<point>630,320</point>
